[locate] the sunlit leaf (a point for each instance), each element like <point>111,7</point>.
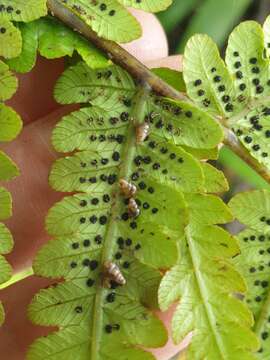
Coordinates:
<point>108,19</point>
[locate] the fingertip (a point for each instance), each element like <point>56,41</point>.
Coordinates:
<point>170,349</point>
<point>174,62</point>
<point>153,44</point>
<point>34,98</point>
<point>17,332</point>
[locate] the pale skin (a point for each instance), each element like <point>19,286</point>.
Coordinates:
<point>32,195</point>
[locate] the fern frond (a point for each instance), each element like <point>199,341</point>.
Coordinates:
<point>94,226</point>
<point>253,210</point>
<point>235,92</point>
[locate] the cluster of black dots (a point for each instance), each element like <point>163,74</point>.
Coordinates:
<point>106,75</point>
<point>119,138</point>
<point>261,267</point>
<point>86,243</point>
<point>110,179</point>
<point>140,161</point>
<point>93,219</point>
<point>167,106</point>
<point>142,205</point>
<point>103,161</point>
<point>126,244</point>
<point>260,238</point>
<point>159,123</point>
<point>102,7</point>
<point>124,117</point>
<point>91,264</point>
<point>111,296</point>
<point>255,126</point>
<point>95,201</point>
<point>9,9</point>
<point>254,70</point>
<point>217,80</point>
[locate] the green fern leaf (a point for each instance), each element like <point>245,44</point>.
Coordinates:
<point>27,57</point>
<point>253,210</point>
<point>205,281</point>
<point>215,181</point>
<point>53,40</point>
<point>148,5</point>
<point>203,154</point>
<point>10,123</point>
<point>8,169</point>
<point>172,77</point>
<point>8,82</point>
<point>10,39</point>
<point>185,122</point>
<point>5,204</point>
<point>237,93</point>
<point>81,84</point>
<point>21,10</point>
<point>108,19</point>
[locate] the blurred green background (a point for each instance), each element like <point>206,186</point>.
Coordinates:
<point>216,18</point>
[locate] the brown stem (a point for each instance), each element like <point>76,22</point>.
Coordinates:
<point>143,74</point>
<point>234,144</point>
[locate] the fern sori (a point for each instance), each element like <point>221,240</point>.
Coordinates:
<point>235,92</point>
<point>98,224</point>
<point>110,19</point>
<point>253,210</point>
<point>10,124</point>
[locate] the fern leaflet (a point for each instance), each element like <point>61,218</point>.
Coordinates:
<point>253,210</point>
<point>110,19</point>
<point>237,92</point>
